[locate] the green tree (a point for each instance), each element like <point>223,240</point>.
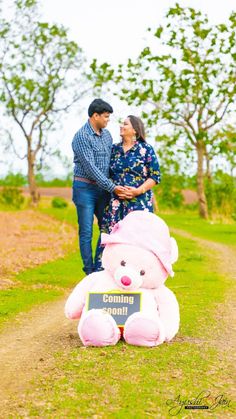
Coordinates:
<point>224,145</point>
<point>169,192</point>
<point>41,75</point>
<point>221,194</point>
<point>186,80</point>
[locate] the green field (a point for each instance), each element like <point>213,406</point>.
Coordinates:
<point>125,381</point>
<point>206,229</point>
<point>133,382</point>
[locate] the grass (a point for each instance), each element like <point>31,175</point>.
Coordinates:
<point>39,285</point>
<point>48,281</point>
<point>192,223</point>
<point>185,220</point>
<point>18,299</point>
<point>8,208</point>
<point>133,382</point>
<point>67,214</point>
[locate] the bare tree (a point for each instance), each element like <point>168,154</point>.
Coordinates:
<point>41,75</point>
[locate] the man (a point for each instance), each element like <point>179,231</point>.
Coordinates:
<point>91,186</point>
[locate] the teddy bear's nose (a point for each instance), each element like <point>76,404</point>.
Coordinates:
<point>125,280</point>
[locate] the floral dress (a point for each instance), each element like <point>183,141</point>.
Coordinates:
<point>130,168</point>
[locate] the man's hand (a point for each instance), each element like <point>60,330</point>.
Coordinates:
<point>120,192</point>
<point>126,192</point>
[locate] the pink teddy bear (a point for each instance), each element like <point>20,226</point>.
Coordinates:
<point>138,256</point>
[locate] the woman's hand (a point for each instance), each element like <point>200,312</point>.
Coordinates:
<point>127,192</point>
<point>131,192</point>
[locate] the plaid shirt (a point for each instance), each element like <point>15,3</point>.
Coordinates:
<point>92,153</point>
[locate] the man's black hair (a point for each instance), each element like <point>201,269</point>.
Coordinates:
<point>99,106</point>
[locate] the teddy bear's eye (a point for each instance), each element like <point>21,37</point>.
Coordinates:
<point>123,263</point>
<point>142,272</point>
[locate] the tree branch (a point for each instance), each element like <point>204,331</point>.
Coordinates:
<point>65,108</point>
<point>14,112</point>
<point>36,121</point>
<point>12,144</point>
<point>217,118</point>
<point>182,125</point>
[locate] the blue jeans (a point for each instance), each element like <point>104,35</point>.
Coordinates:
<point>89,199</point>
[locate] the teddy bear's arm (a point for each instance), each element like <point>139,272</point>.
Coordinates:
<point>168,308</point>
<point>76,300</point>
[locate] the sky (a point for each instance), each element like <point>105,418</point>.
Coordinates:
<point>113,31</point>
<point>116,30</point>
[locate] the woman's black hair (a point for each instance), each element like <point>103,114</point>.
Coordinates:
<point>138,126</point>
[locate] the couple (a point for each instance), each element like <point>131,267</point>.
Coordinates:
<point>110,180</point>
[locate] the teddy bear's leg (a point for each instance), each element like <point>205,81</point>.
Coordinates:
<point>144,329</point>
<point>98,328</point>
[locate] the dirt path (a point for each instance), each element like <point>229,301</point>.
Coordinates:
<point>28,239</point>
<point>225,257</point>
<point>27,348</point>
<point>225,254</point>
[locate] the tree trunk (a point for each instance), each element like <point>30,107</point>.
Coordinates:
<point>34,193</point>
<point>203,209</point>
<point>208,169</point>
<point>209,184</point>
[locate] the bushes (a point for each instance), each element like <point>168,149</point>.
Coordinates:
<point>59,202</point>
<point>13,179</point>
<point>168,193</point>
<point>11,197</point>
<point>18,179</point>
<point>221,194</point>
<point>55,182</point>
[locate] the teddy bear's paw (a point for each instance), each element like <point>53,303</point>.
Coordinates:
<point>98,328</point>
<point>144,329</point>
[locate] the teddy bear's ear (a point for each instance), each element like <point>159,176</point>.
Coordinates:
<point>174,250</point>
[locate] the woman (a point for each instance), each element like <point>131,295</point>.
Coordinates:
<point>133,165</point>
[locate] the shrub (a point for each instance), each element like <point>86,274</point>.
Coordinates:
<point>168,193</point>
<point>11,196</point>
<point>14,179</point>
<point>221,194</point>
<point>56,182</point>
<point>59,202</point>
